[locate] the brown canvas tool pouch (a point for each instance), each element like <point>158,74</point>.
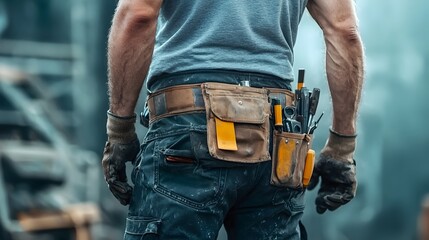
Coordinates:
<point>237,122</point>
<point>289,156</point>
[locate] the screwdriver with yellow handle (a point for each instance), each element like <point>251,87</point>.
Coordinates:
<point>308,167</point>
<point>301,75</point>
<point>278,118</point>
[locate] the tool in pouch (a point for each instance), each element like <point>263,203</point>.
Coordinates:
<point>293,158</point>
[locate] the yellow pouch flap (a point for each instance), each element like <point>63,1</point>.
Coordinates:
<point>225,135</point>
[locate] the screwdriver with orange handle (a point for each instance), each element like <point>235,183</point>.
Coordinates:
<point>278,118</point>
<point>308,167</point>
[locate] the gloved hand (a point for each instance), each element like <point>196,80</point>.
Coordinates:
<point>122,146</point>
<point>337,169</point>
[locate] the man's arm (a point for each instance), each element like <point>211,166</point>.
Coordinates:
<point>130,48</point>
<point>344,59</point>
<point>344,66</point>
<point>131,43</point>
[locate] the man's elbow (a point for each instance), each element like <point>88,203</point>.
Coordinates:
<point>345,31</point>
<point>133,16</point>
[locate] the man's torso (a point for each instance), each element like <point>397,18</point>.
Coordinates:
<point>237,35</point>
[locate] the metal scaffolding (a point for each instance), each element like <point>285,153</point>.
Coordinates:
<point>74,71</point>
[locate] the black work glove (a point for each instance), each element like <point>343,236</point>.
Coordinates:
<point>337,169</point>
<point>122,146</point>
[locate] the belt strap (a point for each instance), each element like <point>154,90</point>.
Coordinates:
<point>175,100</point>
<point>188,98</point>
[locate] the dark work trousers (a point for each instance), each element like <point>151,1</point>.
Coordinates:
<point>192,198</point>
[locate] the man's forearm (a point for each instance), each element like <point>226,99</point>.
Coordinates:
<point>130,48</point>
<point>344,59</point>
<point>345,70</point>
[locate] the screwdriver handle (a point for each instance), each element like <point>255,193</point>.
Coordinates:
<point>308,167</point>
<point>305,105</point>
<point>314,101</point>
<point>278,118</point>
<point>301,74</point>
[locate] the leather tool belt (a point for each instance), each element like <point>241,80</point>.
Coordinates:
<point>188,98</point>
<point>238,125</point>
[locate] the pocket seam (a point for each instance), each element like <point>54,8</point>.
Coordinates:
<point>138,161</point>
<point>130,223</point>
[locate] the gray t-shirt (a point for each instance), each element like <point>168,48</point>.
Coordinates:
<point>241,35</point>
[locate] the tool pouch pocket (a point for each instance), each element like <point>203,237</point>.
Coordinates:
<point>237,122</point>
<point>289,156</point>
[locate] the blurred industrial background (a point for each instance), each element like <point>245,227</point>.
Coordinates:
<point>52,122</point>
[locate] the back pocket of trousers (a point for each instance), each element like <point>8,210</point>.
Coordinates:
<point>179,177</point>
